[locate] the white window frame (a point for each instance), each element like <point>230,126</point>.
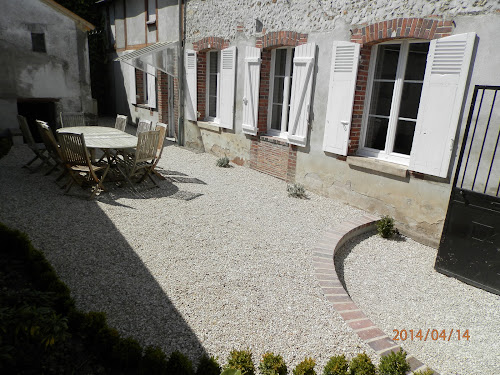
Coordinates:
<point>387,154</point>
<point>283,132</point>
<point>208,118</point>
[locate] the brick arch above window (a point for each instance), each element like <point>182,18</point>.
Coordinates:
<point>211,42</point>
<point>281,39</point>
<point>398,28</point>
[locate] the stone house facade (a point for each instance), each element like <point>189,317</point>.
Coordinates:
<point>361,101</point>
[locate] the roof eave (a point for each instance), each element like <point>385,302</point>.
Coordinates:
<point>80,22</point>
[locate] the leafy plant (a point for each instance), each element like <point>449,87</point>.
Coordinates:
<point>272,364</point>
<point>179,364</point>
<point>362,365</point>
<point>306,367</point>
<point>154,361</point>
<point>394,364</point>
<point>424,372</point>
<point>337,365</point>
<point>385,227</point>
<point>208,366</point>
<point>223,162</point>
<point>241,360</point>
<point>296,190</point>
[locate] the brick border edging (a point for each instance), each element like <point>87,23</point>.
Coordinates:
<point>324,267</point>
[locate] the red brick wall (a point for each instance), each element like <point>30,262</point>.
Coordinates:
<point>162,82</point>
<point>139,86</point>
<point>369,35</point>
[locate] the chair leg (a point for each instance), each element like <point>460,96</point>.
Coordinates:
<point>30,162</point>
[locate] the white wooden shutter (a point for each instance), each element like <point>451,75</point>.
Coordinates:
<point>300,100</point>
<point>251,93</point>
<point>191,107</point>
<point>227,86</point>
<point>446,73</point>
<point>128,72</point>
<point>151,86</point>
<point>345,57</point>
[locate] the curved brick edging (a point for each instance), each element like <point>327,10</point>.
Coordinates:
<point>323,262</point>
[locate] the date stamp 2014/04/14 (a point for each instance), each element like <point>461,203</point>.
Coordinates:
<point>430,334</point>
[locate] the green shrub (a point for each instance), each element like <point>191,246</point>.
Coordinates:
<point>127,354</point>
<point>179,364</point>
<point>362,365</point>
<point>385,227</point>
<point>154,361</point>
<point>208,366</point>
<point>337,365</point>
<point>223,162</point>
<point>394,364</point>
<point>306,367</point>
<point>296,190</point>
<point>424,372</point>
<point>271,364</point>
<point>241,360</point>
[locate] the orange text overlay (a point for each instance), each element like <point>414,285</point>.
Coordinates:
<point>430,334</point>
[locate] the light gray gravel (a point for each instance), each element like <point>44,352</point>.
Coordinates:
<point>213,260</point>
<point>395,284</point>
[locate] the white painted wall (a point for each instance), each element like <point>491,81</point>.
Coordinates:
<point>62,73</point>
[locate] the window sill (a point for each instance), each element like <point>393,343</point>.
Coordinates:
<point>274,139</point>
<point>145,106</point>
<point>378,165</point>
<point>208,125</point>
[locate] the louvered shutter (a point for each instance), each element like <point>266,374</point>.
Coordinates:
<point>190,87</point>
<point>300,100</point>
<point>128,72</point>
<point>345,57</point>
<point>151,85</point>
<point>251,93</point>
<point>227,80</point>
<point>441,102</point>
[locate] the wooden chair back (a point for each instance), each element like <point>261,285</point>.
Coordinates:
<point>73,149</point>
<point>144,126</point>
<point>72,119</point>
<point>49,140</point>
<point>121,122</point>
<point>162,128</point>
<point>147,145</point>
<point>25,129</point>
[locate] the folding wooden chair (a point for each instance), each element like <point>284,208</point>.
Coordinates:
<point>38,148</point>
<point>162,128</point>
<point>144,126</point>
<point>69,119</point>
<point>77,161</point>
<point>143,161</point>
<point>52,147</point>
<point>121,122</point>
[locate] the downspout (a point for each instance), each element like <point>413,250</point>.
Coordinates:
<point>180,76</point>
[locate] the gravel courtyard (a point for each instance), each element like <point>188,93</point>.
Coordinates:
<point>216,259</point>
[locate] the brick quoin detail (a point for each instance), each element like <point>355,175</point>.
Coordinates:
<point>274,157</point>
<point>395,29</point>
<point>139,86</point>
<point>162,82</point>
<point>202,47</point>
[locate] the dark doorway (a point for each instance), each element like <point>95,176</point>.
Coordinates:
<point>37,110</point>
<point>470,245</point>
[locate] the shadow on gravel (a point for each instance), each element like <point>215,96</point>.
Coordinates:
<point>91,255</point>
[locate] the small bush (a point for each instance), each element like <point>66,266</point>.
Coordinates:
<point>208,366</point>
<point>337,365</point>
<point>296,191</point>
<point>179,364</point>
<point>306,367</point>
<point>271,364</point>
<point>394,364</point>
<point>223,162</point>
<point>385,227</point>
<point>424,372</point>
<point>362,365</point>
<point>154,361</point>
<point>241,360</point>
<point>127,354</point>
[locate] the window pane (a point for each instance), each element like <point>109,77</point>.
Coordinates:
<point>280,62</point>
<point>276,117</point>
<point>376,132</point>
<point>212,106</point>
<point>417,58</point>
<point>404,137</point>
<point>387,61</point>
<point>381,98</point>
<point>279,84</point>
<point>214,68</point>
<point>410,100</point>
<point>212,89</point>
